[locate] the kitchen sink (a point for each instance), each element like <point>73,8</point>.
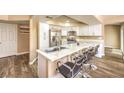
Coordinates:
<point>55,49</point>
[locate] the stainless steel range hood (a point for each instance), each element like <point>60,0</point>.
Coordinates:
<point>71,38</point>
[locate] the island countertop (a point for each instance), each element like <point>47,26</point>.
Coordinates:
<point>70,49</point>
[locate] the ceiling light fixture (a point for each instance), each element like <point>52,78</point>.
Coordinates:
<point>67,24</point>
<point>67,21</point>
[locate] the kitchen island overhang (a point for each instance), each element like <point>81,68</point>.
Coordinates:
<point>47,61</point>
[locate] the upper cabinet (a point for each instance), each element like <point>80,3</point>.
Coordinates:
<point>90,30</point>
<point>84,30</point>
<point>95,30</point>
<point>66,29</point>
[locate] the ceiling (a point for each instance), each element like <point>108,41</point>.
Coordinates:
<point>112,19</point>
<point>65,19</point>
<point>88,19</point>
<point>85,19</point>
<point>96,19</point>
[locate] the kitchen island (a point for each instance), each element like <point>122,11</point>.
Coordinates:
<point>47,60</point>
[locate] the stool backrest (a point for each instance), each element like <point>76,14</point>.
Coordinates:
<point>77,66</point>
<point>96,49</point>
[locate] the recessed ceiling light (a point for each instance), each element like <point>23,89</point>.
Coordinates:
<point>67,24</point>
<point>67,21</point>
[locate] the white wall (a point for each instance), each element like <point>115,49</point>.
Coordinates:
<point>33,37</point>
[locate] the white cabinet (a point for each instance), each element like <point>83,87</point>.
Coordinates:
<point>99,31</point>
<point>83,31</point>
<point>95,30</point>
<point>90,30</point>
<point>43,35</point>
<point>66,29</point>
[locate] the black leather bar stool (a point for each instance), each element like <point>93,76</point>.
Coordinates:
<point>87,67</point>
<point>81,63</point>
<point>70,69</point>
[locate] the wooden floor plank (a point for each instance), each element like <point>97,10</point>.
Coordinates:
<point>18,67</point>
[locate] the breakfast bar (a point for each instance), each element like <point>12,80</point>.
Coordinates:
<point>47,60</point>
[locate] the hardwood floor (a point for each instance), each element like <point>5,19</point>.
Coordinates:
<point>108,67</point>
<point>18,67</point>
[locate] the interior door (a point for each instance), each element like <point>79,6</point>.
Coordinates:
<point>8,39</point>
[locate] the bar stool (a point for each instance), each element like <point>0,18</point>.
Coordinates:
<point>70,69</point>
<point>87,67</point>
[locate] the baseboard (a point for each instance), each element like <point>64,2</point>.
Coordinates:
<point>35,59</point>
<point>22,53</point>
<point>16,54</point>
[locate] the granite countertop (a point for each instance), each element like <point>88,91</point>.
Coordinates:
<point>70,49</point>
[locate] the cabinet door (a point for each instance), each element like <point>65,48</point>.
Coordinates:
<point>91,30</point>
<point>83,31</point>
<point>99,31</point>
<point>95,30</point>
<point>64,31</point>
